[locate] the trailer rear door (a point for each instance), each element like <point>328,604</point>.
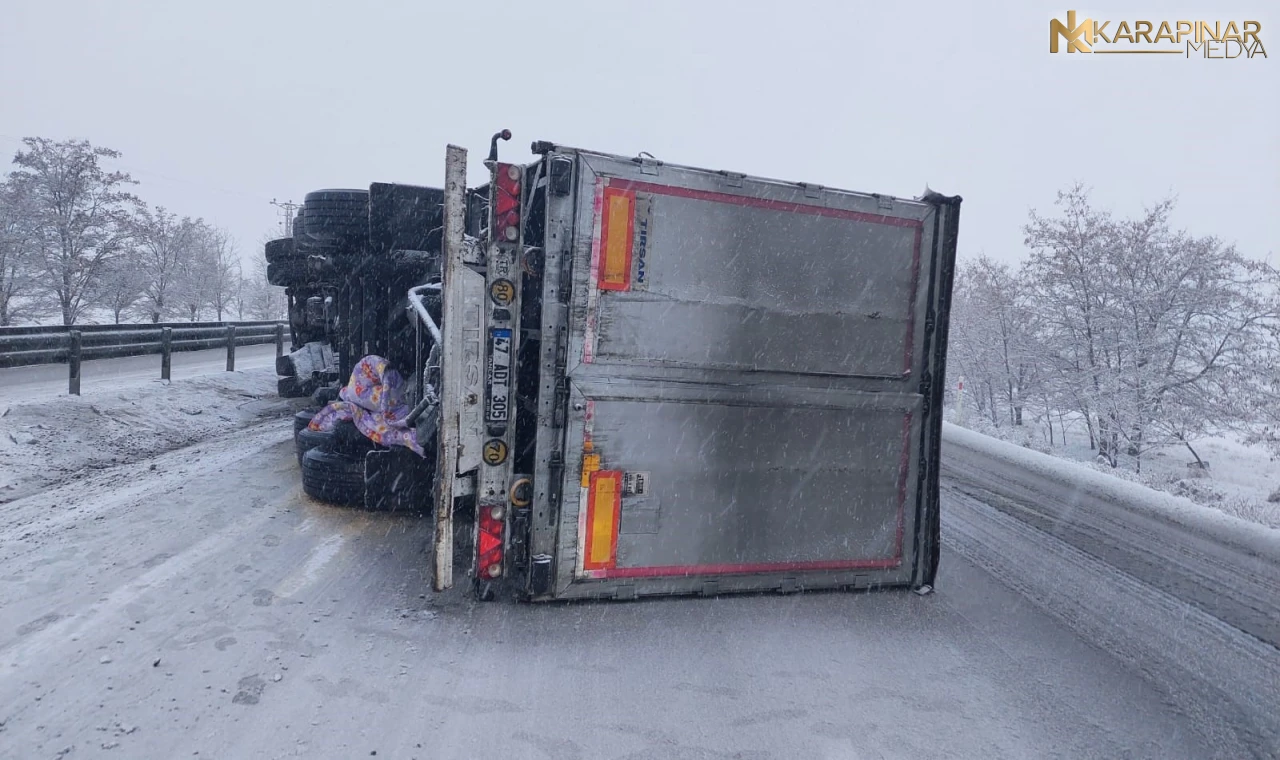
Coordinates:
<point>745,387</point>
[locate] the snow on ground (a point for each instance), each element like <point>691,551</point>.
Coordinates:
<point>47,440</point>
<point>1232,529</point>
<point>1243,480</point>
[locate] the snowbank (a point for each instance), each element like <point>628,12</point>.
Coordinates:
<point>1241,481</point>
<point>1258,539</point>
<point>46,441</point>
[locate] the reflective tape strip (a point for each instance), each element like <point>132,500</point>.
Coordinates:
<point>617,231</point>
<point>604,508</point>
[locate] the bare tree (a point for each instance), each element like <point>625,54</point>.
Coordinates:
<point>221,270</point>
<point>79,214</point>
<point>166,245</point>
<point>16,282</point>
<point>258,298</point>
<point>121,285</point>
<point>189,293</point>
<point>1198,331</point>
<point>1067,273</point>
<point>970,353</point>
<point>1157,337</point>
<point>993,340</point>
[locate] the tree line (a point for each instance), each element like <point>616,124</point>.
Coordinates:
<point>1142,335</point>
<point>76,242</point>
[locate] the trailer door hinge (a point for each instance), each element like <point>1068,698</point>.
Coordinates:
<point>561,404</point>
<point>732,179</point>
<point>562,351</point>
<point>926,387</point>
<point>648,164</point>
<point>555,488</point>
<point>566,275</point>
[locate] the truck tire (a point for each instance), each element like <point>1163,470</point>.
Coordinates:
<point>306,245</point>
<point>337,216</point>
<point>307,439</point>
<point>333,478</point>
<point>325,395</point>
<point>302,419</point>
<point>279,250</point>
<point>285,368</point>
<point>349,441</point>
<point>398,480</point>
<point>311,246</point>
<point>292,387</point>
<point>288,273</point>
<point>300,240</point>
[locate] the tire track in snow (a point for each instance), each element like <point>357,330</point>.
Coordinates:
<point>121,488</point>
<point>1225,682</point>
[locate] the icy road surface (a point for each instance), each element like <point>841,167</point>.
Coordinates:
<point>196,604</point>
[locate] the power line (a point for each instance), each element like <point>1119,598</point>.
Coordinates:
<point>287,223</point>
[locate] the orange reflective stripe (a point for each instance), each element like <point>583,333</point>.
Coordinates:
<point>604,508</point>
<point>617,230</point>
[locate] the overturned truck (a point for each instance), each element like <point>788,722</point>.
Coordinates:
<point>634,378</point>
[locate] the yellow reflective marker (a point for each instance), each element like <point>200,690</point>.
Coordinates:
<point>603,507</point>
<point>590,463</point>
<point>616,231</point>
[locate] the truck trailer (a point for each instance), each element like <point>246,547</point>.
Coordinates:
<point>634,378</point>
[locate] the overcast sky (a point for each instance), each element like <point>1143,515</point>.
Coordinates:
<point>220,107</point>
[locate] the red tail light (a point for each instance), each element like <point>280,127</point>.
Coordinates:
<point>490,540</point>
<point>506,202</point>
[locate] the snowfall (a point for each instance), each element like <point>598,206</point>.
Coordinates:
<point>170,592</point>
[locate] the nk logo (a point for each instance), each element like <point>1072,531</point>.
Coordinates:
<point>1198,39</point>
<point>1078,36</point>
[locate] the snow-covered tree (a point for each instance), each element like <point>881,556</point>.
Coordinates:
<point>121,285</point>
<point>257,298</point>
<point>1155,336</point>
<point>1067,274</point>
<point>993,340</point>
<point>1200,333</point>
<point>221,270</point>
<point>166,247</point>
<point>16,262</point>
<point>78,213</point>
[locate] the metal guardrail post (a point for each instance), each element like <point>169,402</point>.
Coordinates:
<point>279,341</point>
<point>166,352</point>
<point>73,364</point>
<point>24,346</point>
<point>231,348</point>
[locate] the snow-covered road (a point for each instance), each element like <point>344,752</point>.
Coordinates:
<point>196,604</point>
<point>1195,615</point>
<point>1217,564</point>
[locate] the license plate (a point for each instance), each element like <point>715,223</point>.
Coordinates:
<point>499,407</point>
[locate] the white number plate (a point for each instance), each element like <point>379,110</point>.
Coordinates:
<point>499,407</point>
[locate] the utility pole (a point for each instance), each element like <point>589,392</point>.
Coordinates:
<point>288,208</point>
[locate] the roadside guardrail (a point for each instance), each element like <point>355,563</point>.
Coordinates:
<point>22,346</point>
